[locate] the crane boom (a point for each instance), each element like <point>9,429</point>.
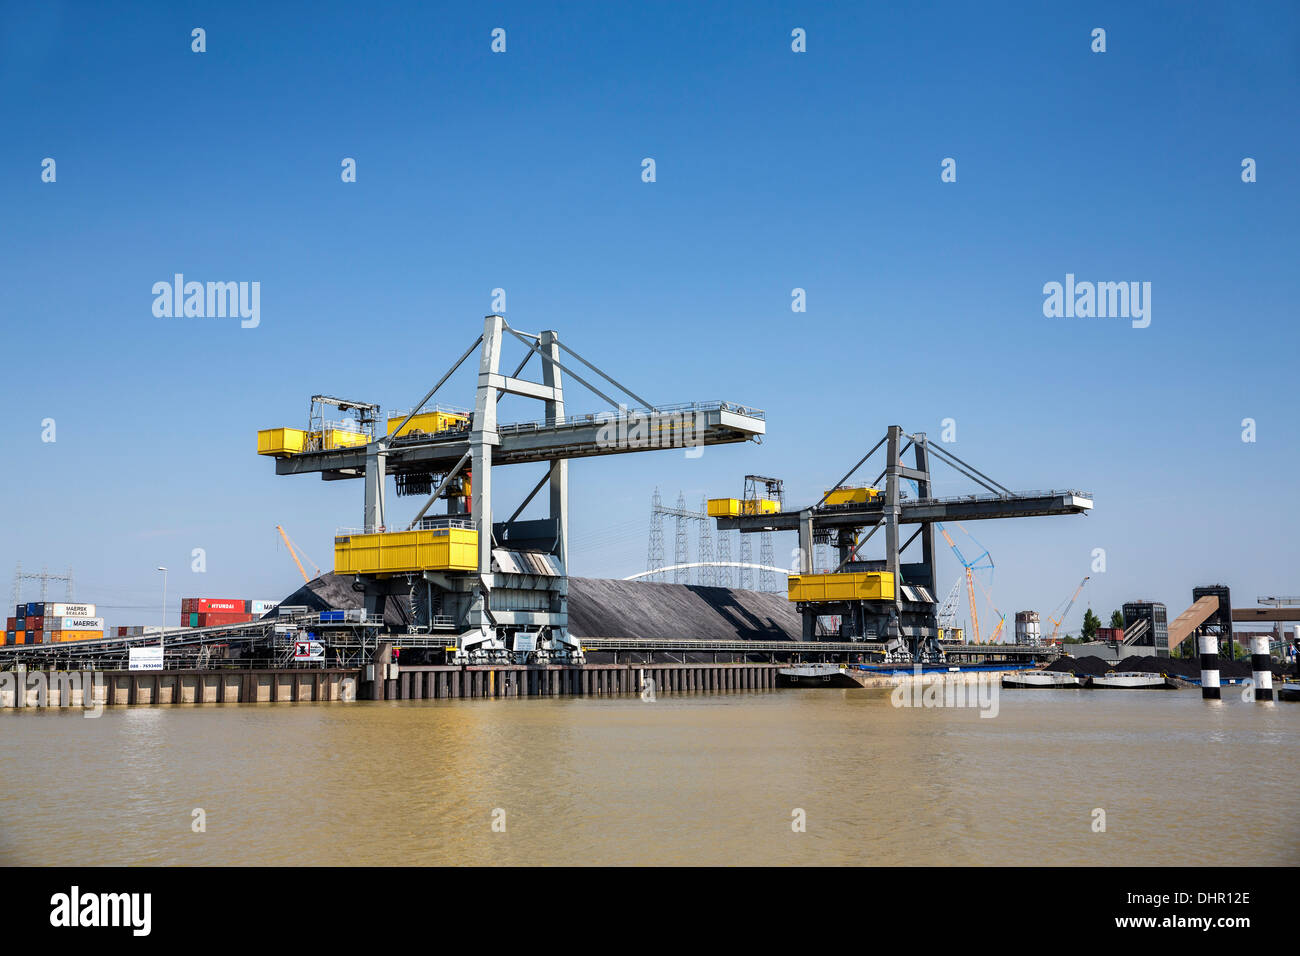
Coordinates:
<point>970,578</point>
<point>1056,621</point>
<point>294,554</point>
<point>974,614</point>
<point>997,630</point>
<point>948,610</point>
<point>1002,618</point>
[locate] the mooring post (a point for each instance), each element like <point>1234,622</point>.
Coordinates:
<point>1209,667</point>
<point>1259,664</point>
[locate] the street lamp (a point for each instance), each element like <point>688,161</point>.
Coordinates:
<point>164,607</point>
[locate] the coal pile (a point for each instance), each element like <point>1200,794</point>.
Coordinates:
<point>1086,666</point>
<point>333,592</point>
<point>1173,666</point>
<point>601,607</point>
<point>1188,668</point>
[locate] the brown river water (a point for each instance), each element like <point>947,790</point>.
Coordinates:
<point>700,779</point>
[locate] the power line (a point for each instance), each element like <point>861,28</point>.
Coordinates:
<point>655,551</point>
<point>713,565</point>
<point>706,572</point>
<point>681,543</point>
<point>45,578</point>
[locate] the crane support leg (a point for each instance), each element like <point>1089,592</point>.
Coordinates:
<point>376,461</point>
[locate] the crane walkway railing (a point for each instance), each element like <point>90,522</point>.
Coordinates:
<point>878,503</point>
<point>588,418</point>
<point>625,413</point>
<point>756,646</point>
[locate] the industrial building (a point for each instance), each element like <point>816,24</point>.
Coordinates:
<point>1146,628</point>
<point>1219,621</point>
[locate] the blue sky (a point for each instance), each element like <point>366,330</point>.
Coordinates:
<point>775,170</point>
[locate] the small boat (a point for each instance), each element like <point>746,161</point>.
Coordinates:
<point>1041,679</point>
<point>1287,691</point>
<point>1130,680</point>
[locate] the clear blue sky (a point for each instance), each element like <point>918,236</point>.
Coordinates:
<point>775,170</point>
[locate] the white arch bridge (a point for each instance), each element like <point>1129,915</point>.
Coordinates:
<point>708,564</point>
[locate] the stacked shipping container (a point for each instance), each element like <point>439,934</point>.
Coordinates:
<point>136,630</point>
<point>49,622</point>
<point>213,612</point>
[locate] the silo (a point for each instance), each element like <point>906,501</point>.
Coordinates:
<point>1027,628</point>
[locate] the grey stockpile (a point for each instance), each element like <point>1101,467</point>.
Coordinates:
<point>600,607</point>
<point>1188,667</point>
<point>332,592</point>
<point>608,608</point>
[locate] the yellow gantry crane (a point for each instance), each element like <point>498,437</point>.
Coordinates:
<point>293,553</point>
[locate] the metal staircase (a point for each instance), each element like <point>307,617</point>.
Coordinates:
<point>1138,631</point>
